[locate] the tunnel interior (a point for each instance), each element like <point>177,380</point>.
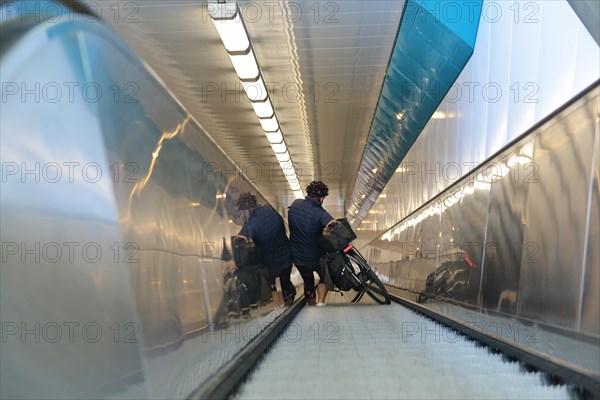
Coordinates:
<point>459,139</point>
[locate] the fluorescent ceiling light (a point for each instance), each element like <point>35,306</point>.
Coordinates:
<point>222,10</point>
<point>288,168</point>
<point>292,178</point>
<point>298,194</point>
<point>263,109</point>
<point>245,66</point>
<point>256,91</point>
<point>233,34</point>
<point>274,137</point>
<point>295,186</point>
<point>269,124</point>
<point>279,147</point>
<point>283,157</point>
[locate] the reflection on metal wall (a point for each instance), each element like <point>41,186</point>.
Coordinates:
<point>522,69</point>
<point>516,235</point>
<point>115,211</point>
<point>432,48</point>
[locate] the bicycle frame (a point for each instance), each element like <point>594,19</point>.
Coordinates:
<point>365,278</point>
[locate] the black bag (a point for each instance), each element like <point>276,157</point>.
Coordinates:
<point>264,287</point>
<point>245,252</point>
<point>338,271</point>
<point>337,237</point>
<point>254,286</point>
<point>231,293</point>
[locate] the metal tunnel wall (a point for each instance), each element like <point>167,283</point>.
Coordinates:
<point>517,237</point>
<point>522,69</point>
<point>115,208</point>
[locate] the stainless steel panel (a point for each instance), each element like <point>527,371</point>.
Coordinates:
<point>590,296</point>
<point>177,207</point>
<point>158,204</point>
<point>541,214</point>
<point>522,56</point>
<point>69,328</point>
<point>556,217</point>
<point>504,242</point>
<point>408,253</point>
<point>461,242</point>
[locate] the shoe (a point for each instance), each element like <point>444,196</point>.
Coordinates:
<point>289,301</point>
<point>312,301</point>
<point>246,314</point>
<point>320,304</point>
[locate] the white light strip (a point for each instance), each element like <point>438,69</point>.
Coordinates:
<point>288,168</point>
<point>233,34</point>
<point>263,109</point>
<point>256,91</point>
<point>231,29</point>
<point>245,65</point>
<point>269,124</point>
<point>274,137</point>
<point>285,157</point>
<point>279,147</point>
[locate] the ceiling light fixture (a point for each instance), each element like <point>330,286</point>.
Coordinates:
<point>256,90</point>
<point>279,147</point>
<point>274,137</point>
<point>231,28</point>
<point>263,109</point>
<point>269,124</point>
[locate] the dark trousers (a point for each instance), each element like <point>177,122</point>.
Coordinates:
<point>287,288</point>
<point>307,273</point>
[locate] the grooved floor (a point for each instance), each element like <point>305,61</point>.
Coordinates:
<point>368,351</point>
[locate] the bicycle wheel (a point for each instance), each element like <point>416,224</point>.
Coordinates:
<point>357,282</point>
<point>369,280</point>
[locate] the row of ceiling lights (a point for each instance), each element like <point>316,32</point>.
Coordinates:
<point>232,30</point>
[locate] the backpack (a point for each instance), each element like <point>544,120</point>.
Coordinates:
<point>338,271</point>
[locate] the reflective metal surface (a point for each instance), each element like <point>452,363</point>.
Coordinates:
<point>69,327</point>
<point>590,309</point>
<point>527,221</point>
<point>115,209</point>
<point>323,63</point>
<point>431,49</point>
<point>522,69</point>
<point>505,231</point>
<point>461,242</point>
<point>556,212</point>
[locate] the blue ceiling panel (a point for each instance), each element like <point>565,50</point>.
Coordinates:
<point>435,41</point>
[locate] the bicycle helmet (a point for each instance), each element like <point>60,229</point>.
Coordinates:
<point>317,189</point>
<point>246,201</point>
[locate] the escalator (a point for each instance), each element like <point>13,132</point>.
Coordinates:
<point>368,351</point>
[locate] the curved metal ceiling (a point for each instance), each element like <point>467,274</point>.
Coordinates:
<point>435,40</point>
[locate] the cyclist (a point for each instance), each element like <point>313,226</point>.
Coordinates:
<point>265,227</point>
<point>307,218</point>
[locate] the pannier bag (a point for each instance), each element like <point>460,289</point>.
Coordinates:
<point>338,271</point>
<point>245,253</point>
<point>337,237</point>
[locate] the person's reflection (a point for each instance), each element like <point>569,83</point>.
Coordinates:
<point>230,301</point>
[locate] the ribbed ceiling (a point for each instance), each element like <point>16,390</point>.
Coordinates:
<point>323,62</point>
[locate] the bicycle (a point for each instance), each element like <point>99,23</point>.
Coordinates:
<point>362,278</point>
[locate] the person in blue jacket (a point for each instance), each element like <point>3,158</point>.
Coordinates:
<point>307,219</point>
<point>266,228</point>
